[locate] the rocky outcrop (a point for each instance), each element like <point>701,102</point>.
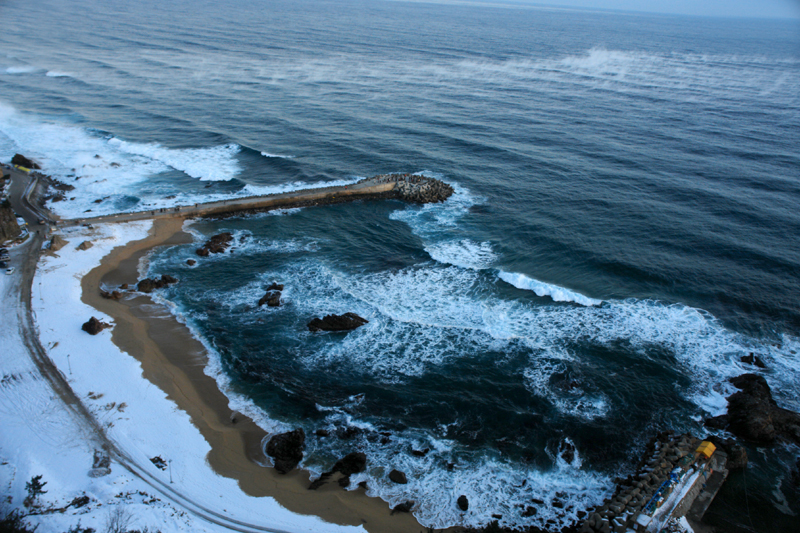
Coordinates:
<point>23,161</point>
<point>9,229</point>
<point>754,416</point>
<point>94,326</point>
<point>753,359</point>
<point>148,285</point>
<point>286,449</point>
<point>352,463</point>
<point>191,262</point>
<point>345,322</point>
<point>85,245</point>
<point>57,243</point>
<point>215,245</point>
<point>404,507</point>
<point>272,297</point>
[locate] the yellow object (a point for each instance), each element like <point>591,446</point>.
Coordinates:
<point>707,449</point>
<point>20,167</point>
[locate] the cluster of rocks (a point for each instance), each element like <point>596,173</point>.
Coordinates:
<point>272,297</point>
<point>352,463</point>
<point>662,455</point>
<point>94,326</point>
<point>286,449</point>
<point>216,244</point>
<point>148,285</point>
<point>753,414</point>
<point>23,161</point>
<point>345,322</point>
<point>417,189</point>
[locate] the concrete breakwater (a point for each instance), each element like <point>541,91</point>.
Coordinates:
<point>404,187</point>
<point>674,470</point>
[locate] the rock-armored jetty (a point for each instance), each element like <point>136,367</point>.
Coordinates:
<point>671,474</point>
<point>417,189</point>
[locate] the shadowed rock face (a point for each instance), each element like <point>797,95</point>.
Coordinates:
<point>216,244</point>
<point>345,322</point>
<point>286,449</point>
<point>23,161</point>
<point>754,416</point>
<point>148,285</point>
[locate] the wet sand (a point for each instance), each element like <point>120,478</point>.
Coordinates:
<point>174,360</point>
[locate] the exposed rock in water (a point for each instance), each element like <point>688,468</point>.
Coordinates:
<point>345,322</point>
<point>113,295</point>
<point>271,298</point>
<point>462,503</point>
<point>191,262</point>
<point>23,161</point>
<point>216,244</point>
<point>286,449</point>
<point>404,507</point>
<point>352,463</point>
<point>123,287</point>
<point>753,359</point>
<point>754,416</point>
<point>57,243</point>
<point>398,477</point>
<point>275,287</point>
<point>94,326</point>
<point>85,245</point>
<point>148,285</point>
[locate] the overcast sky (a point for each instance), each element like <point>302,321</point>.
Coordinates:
<point>783,9</point>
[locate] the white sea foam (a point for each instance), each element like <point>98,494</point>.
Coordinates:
<point>23,69</point>
<point>558,294</point>
<point>58,74</point>
<point>295,186</point>
<point>217,163</point>
<point>463,253</point>
<point>266,154</point>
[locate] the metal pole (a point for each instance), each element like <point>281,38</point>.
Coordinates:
<point>69,365</point>
<point>170,470</point>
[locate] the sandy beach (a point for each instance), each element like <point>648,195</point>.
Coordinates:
<point>174,361</point>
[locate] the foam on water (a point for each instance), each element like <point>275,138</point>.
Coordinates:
<point>266,154</point>
<point>23,69</point>
<point>58,74</point>
<point>463,253</point>
<point>558,294</point>
<point>217,163</point>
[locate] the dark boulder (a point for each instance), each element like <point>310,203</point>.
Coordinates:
<point>404,507</point>
<point>191,262</point>
<point>94,326</point>
<point>202,252</point>
<point>168,280</point>
<point>123,287</point>
<point>286,449</point>
<point>345,322</point>
<point>275,287</point>
<point>398,477</point>
<point>23,161</point>
<point>462,503</point>
<point>352,463</point>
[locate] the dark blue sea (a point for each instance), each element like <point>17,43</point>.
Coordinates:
<point>624,228</point>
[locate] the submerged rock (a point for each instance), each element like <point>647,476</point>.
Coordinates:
<point>94,326</point>
<point>286,449</point>
<point>345,322</point>
<point>352,463</point>
<point>753,359</point>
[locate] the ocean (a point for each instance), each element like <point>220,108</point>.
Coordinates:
<point>624,227</point>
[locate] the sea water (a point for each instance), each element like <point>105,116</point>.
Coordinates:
<point>623,229</point>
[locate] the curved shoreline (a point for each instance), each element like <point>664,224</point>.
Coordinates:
<point>174,360</point>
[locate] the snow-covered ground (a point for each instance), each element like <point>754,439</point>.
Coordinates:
<point>41,436</point>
